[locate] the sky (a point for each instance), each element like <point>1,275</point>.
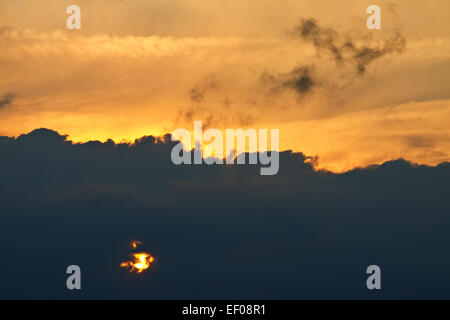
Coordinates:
<point>85,149</point>
<point>149,67</point>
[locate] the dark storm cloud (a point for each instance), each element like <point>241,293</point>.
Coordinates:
<point>217,231</point>
<point>342,49</point>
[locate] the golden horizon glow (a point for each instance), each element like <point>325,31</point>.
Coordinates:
<point>149,75</point>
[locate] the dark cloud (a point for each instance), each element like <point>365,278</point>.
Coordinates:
<point>365,55</point>
<point>6,100</point>
<point>218,231</point>
<point>301,80</point>
<point>342,49</point>
<point>322,38</point>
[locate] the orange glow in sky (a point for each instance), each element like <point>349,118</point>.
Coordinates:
<point>122,78</point>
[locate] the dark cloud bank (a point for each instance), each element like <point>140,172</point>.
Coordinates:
<point>217,231</point>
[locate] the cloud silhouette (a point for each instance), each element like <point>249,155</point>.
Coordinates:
<point>342,49</point>
<point>338,48</point>
<point>301,80</point>
<point>217,231</point>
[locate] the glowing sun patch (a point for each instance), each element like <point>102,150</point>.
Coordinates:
<point>140,261</point>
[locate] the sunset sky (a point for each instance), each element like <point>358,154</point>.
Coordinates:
<point>148,67</point>
<point>361,178</point>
